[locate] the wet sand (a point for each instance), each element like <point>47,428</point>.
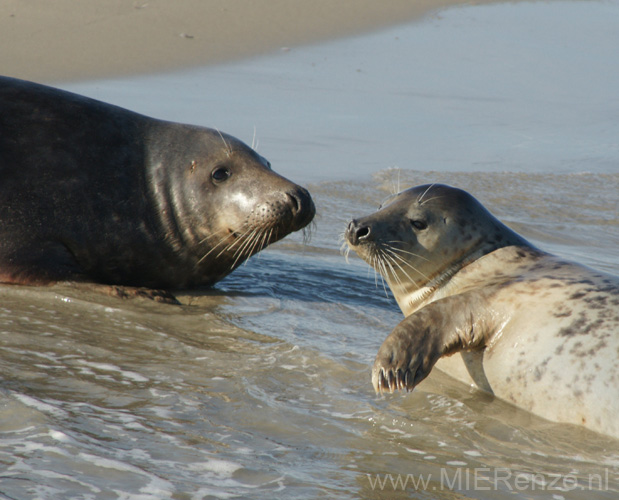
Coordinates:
<point>69,40</point>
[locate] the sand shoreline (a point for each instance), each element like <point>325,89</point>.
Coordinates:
<point>69,40</point>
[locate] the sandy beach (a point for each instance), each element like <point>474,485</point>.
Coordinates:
<point>73,40</point>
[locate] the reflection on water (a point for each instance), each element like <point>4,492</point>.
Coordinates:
<point>260,387</point>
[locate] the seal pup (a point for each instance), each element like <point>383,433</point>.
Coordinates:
<point>531,328</point>
<point>91,192</point>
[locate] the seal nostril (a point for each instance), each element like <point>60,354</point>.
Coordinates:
<point>356,232</point>
<point>363,232</point>
<point>295,203</point>
<point>301,207</point>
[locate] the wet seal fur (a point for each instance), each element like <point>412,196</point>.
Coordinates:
<point>91,192</point>
<point>531,328</point>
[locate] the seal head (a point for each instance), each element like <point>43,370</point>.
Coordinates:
<point>419,238</point>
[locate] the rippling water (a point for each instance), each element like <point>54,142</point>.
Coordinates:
<point>260,387</point>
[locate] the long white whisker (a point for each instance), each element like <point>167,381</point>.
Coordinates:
<point>261,241</point>
<point>254,142</point>
<point>245,250</point>
<point>390,262</point>
<point>248,238</point>
<point>214,235</point>
<point>379,270</point>
<point>425,192</point>
<point>430,199</point>
<point>215,247</point>
<point>399,250</point>
<point>399,266</point>
<point>384,274</point>
<point>228,149</point>
<point>307,232</point>
<point>405,262</point>
<point>376,267</point>
<point>345,251</point>
<point>240,241</point>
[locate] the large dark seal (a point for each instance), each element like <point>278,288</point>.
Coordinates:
<point>531,328</point>
<point>94,192</point>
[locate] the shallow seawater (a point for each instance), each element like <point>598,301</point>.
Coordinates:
<point>260,387</point>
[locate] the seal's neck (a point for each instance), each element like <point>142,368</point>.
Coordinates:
<point>438,287</point>
<point>452,280</point>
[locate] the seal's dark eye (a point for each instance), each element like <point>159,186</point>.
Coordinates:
<point>220,174</point>
<point>419,224</point>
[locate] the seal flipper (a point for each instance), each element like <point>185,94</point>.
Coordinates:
<point>442,328</point>
<point>474,363</point>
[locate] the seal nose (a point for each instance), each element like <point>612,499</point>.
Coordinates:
<point>302,207</point>
<point>357,232</point>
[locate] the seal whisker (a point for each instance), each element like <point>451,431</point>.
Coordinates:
<point>254,243</point>
<point>404,261</point>
<point>397,278</point>
<point>413,286</point>
<point>227,147</point>
<point>425,192</point>
<point>215,247</point>
<point>245,250</point>
<point>307,232</point>
<point>430,199</point>
<point>247,240</point>
<point>382,280</point>
<point>395,184</point>
<point>241,238</point>
<point>383,272</point>
<point>268,238</point>
<point>225,239</point>
<point>400,250</point>
<point>345,251</point>
<point>261,241</point>
<point>254,141</point>
<point>390,260</point>
<point>211,236</point>
<point>374,265</point>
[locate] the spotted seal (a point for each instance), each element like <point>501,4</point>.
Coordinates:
<point>93,192</point>
<point>530,328</point>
